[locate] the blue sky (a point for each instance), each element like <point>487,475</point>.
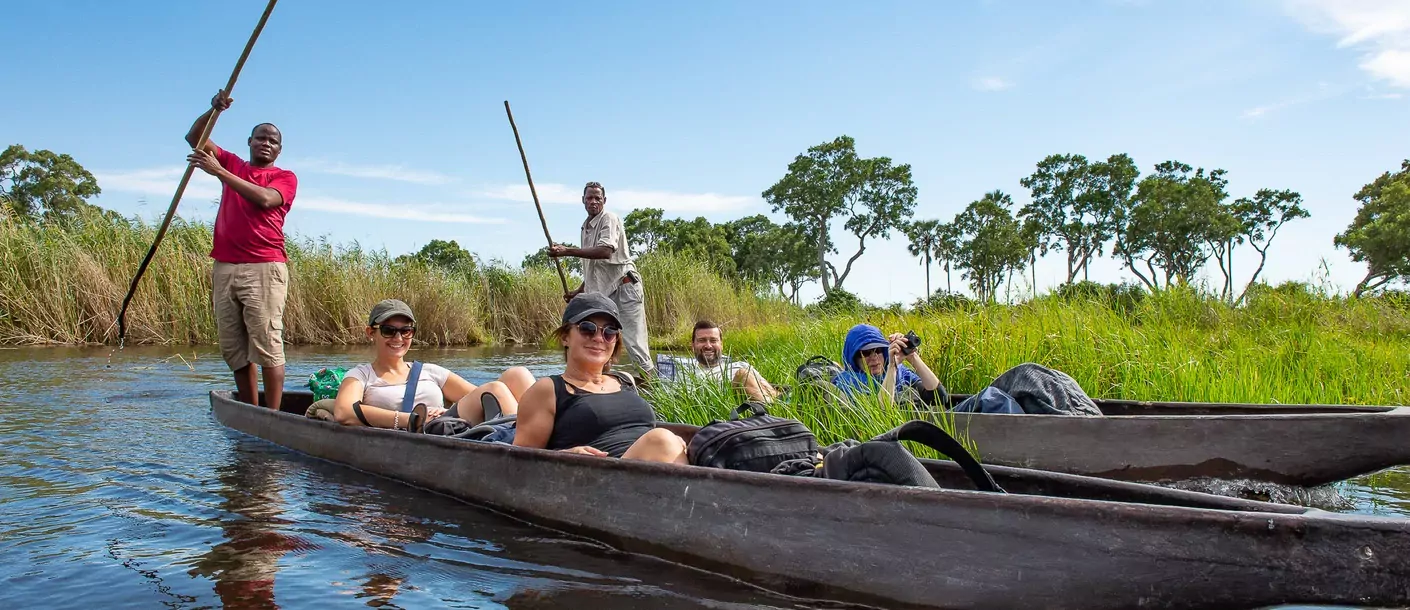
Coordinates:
<point>393,117</point>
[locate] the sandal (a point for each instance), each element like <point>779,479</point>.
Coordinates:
<point>490,404</point>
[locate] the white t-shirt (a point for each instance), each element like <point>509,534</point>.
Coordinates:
<point>690,369</point>
<point>377,392</point>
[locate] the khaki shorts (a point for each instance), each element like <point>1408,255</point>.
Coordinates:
<point>249,312</point>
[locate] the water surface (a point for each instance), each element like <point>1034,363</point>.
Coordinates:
<point>118,489</point>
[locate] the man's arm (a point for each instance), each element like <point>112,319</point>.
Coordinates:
<point>594,253</point>
<point>262,196</point>
<point>220,101</point>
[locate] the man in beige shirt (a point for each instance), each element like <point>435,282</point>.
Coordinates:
<point>608,269</point>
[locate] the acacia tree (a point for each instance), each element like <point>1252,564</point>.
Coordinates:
<point>923,235</point>
<point>1261,217</point>
<point>1075,205</point>
<point>1380,234</point>
<point>1172,220</point>
<point>991,241</point>
<point>828,182</point>
<point>46,185</point>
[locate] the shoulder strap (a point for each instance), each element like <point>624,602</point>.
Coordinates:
<point>933,436</point>
<point>408,401</point>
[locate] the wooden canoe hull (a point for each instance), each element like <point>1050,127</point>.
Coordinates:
<point>1303,446</point>
<point>889,545</point>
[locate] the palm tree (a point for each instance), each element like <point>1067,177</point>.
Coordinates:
<point>924,235</point>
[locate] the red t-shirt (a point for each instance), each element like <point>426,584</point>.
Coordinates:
<point>245,232</point>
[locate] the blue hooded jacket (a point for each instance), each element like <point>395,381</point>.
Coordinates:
<point>856,378</point>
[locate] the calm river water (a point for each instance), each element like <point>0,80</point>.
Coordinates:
<point>118,489</point>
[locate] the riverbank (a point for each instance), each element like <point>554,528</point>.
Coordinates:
<point>65,286</point>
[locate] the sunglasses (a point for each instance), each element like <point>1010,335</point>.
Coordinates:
<point>589,329</point>
<point>391,331</point>
<point>879,351</point>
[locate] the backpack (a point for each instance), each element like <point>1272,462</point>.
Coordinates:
<point>757,443</point>
<point>818,369</point>
<point>884,460</point>
<point>324,383</point>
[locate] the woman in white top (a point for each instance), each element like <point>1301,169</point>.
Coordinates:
<point>377,389</point>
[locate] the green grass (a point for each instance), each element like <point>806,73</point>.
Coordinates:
<point>65,286</point>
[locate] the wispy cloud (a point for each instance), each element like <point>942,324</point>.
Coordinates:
<point>441,213</point>
<point>161,181</point>
<point>396,172</point>
<point>991,83</point>
<point>625,199</point>
<point>1379,28</point>
<point>1324,91</point>
<point>158,181</point>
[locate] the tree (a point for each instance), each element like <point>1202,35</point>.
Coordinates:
<point>947,249</point>
<point>923,235</point>
<point>447,255</point>
<point>829,181</point>
<point>45,185</point>
<point>1172,220</point>
<point>1380,234</point>
<point>1033,242</point>
<point>991,243</point>
<point>645,229</point>
<point>1075,204</point>
<point>1261,218</point>
<point>771,254</point>
<point>700,240</point>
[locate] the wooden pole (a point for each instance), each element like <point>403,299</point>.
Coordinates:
<point>556,263</point>
<point>186,177</point>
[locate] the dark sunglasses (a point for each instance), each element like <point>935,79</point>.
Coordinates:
<point>589,329</point>
<point>880,351</point>
<point>391,331</point>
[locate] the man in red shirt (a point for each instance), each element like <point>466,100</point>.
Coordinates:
<point>250,278</point>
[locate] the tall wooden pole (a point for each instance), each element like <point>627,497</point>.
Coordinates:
<point>186,177</point>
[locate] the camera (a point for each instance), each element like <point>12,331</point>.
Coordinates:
<point>912,342</point>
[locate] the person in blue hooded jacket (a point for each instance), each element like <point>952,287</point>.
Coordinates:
<point>875,362</point>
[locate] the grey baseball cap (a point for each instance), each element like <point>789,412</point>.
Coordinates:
<point>588,304</point>
<point>388,308</point>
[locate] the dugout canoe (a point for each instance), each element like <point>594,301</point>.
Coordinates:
<point>1304,445</point>
<point>1056,541</point>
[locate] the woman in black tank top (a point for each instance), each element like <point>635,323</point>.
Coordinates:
<point>589,409</point>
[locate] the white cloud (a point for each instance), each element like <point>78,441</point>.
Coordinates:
<point>161,181</point>
<point>393,211</point>
<point>991,83</point>
<point>626,199</point>
<point>1323,91</point>
<point>1379,28</point>
<point>399,173</point>
<point>158,181</point>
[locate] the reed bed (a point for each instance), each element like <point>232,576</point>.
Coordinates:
<point>65,284</point>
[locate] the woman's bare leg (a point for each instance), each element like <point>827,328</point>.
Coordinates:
<point>470,409</point>
<point>517,379</point>
<point>658,445</point>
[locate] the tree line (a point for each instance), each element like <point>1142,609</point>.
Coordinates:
<point>1164,227</point>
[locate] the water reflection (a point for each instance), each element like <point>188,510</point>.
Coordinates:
<point>244,565</point>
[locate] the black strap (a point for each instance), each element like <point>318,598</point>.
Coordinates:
<point>757,408</point>
<point>357,410</point>
<point>933,436</point>
<point>408,400</point>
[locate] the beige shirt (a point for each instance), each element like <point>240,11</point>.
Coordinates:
<point>605,275</point>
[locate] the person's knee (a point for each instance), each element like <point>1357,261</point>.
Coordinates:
<point>516,372</point>
<point>664,440</point>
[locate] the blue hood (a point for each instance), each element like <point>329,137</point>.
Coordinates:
<point>855,377</point>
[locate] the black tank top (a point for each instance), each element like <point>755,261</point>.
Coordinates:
<point>609,421</point>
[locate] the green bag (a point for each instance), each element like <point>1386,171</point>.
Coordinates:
<point>325,382</point>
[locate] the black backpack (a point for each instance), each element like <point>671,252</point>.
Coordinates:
<point>884,460</point>
<point>817,370</point>
<point>757,443</point>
